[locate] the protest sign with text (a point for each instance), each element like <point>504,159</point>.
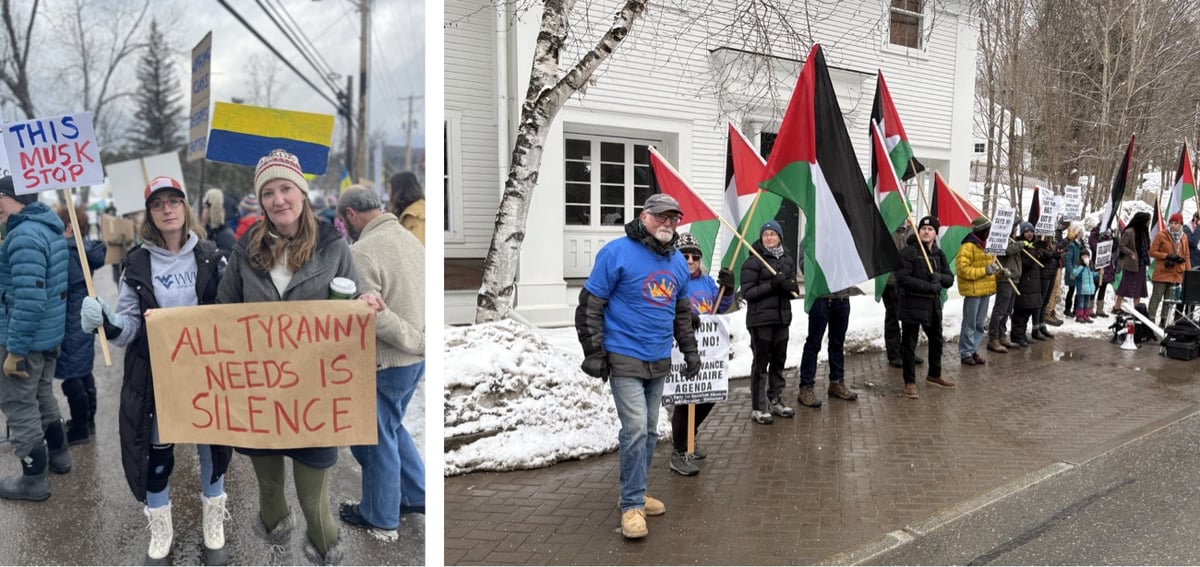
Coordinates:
<point>1072,202</point>
<point>128,179</point>
<point>1049,214</point>
<point>1103,254</point>
<point>265,375</point>
<point>53,153</point>
<point>1002,224</point>
<point>201,87</point>
<point>712,384</point>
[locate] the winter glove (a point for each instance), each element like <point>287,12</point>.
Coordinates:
<point>778,279</point>
<point>596,365</point>
<point>947,280</point>
<point>695,322</point>
<point>693,364</point>
<point>791,286</point>
<point>94,312</point>
<point>991,269</point>
<point>1005,273</point>
<point>725,278</point>
<point>14,366</point>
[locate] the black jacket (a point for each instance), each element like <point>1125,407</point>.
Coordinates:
<point>767,304</point>
<point>920,289</point>
<point>1030,284</point>
<point>136,415</point>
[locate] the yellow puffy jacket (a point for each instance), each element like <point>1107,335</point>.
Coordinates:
<point>972,263</point>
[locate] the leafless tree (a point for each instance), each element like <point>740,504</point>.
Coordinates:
<point>14,57</point>
<point>265,86</point>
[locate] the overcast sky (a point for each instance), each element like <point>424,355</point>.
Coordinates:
<point>397,54</point>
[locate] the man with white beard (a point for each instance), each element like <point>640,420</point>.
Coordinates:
<point>635,300</point>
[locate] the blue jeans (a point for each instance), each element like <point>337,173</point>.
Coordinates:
<point>834,314</point>
<point>1083,302</point>
<point>393,473</point>
<point>208,488</point>
<point>638,401</point>
<point>975,316</point>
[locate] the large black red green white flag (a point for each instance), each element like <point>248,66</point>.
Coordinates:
<point>813,165</point>
<point>746,206</point>
<point>1185,185</point>
<point>1113,206</point>
<point>698,218</point>
<point>954,214</point>
<point>883,112</point>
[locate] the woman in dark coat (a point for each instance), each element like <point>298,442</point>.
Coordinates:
<point>1108,272</point>
<point>1134,257</point>
<point>769,292</point>
<point>1029,303</point>
<point>921,285</point>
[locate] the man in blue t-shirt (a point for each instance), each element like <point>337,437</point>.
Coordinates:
<point>634,302</point>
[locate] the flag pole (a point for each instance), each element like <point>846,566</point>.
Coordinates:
<point>740,240</point>
<point>908,211</point>
<point>69,195</point>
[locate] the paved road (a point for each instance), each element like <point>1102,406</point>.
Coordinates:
<point>92,519</point>
<point>1136,505</point>
<point>834,480</point>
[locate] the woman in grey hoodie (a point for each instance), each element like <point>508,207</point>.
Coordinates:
<point>289,256</point>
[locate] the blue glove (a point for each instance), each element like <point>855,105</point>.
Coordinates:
<point>93,314</point>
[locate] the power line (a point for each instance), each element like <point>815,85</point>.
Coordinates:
<point>285,60</point>
<point>291,30</point>
<point>303,53</point>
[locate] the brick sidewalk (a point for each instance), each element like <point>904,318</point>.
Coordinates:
<point>834,478</point>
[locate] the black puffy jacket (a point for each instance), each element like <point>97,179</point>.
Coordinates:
<point>766,304</point>
<point>920,288</point>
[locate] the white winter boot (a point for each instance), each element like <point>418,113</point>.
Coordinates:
<point>214,530</point>
<point>161,535</point>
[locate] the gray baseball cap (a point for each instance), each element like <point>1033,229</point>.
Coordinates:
<point>661,203</point>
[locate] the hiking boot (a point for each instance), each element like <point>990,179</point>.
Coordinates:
<point>78,433</point>
<point>910,391</point>
<point>654,506</point>
<point>633,524</point>
<point>969,361</point>
<point>918,361</point>
<point>698,453</point>
<point>1053,321</point>
<point>1037,335</point>
<point>684,464</point>
<point>995,345</point>
<point>1007,343</point>
<point>1020,341</point>
<point>777,407</point>
<point>351,514</point>
<point>978,359</point>
<point>895,363</point>
<point>34,482</point>
<point>761,417</point>
<point>161,534</point>
<point>1046,332</point>
<point>806,398</point>
<point>939,381</point>
<point>214,514</point>
<point>1099,313</point>
<point>840,391</point>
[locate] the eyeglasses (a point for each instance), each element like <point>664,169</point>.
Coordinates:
<point>693,257</point>
<point>158,204</point>
<point>665,218</point>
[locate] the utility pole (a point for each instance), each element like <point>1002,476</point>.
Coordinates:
<point>408,137</point>
<point>348,114</point>
<point>360,166</point>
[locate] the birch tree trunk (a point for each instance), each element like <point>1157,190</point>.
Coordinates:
<point>545,97</point>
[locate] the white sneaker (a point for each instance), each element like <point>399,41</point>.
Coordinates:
<point>161,532</point>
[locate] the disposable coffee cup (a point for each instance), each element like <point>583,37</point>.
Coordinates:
<point>342,288</point>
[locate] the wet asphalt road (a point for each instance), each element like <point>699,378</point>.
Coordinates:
<point>1138,504</point>
<point>92,519</point>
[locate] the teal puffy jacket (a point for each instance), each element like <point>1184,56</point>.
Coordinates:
<point>33,281</point>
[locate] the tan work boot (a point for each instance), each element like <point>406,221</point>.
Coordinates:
<point>633,523</point>
<point>654,506</point>
<point>910,391</point>
<point>840,391</point>
<point>995,345</point>
<point>939,381</point>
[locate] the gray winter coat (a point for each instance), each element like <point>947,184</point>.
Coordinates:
<point>243,284</point>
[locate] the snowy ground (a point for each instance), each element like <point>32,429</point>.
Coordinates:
<point>515,397</point>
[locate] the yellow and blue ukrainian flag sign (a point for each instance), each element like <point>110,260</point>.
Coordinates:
<point>242,134</point>
<point>345,182</point>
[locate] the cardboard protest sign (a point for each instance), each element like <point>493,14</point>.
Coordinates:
<point>1103,254</point>
<point>53,153</point>
<point>1049,214</point>
<point>1002,225</point>
<point>712,384</point>
<point>116,233</point>
<point>265,375</point>
<point>1072,202</point>
<point>128,179</point>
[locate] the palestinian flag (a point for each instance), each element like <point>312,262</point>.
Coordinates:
<point>698,218</point>
<point>1185,185</point>
<point>1113,206</point>
<point>746,206</point>
<point>955,214</point>
<point>889,193</point>
<point>813,164</point>
<point>883,113</point>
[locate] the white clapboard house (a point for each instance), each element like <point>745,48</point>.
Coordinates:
<point>674,84</point>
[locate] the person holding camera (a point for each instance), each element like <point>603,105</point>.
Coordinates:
<point>1171,258</point>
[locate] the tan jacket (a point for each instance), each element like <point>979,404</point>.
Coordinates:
<point>1161,247</point>
<point>391,263</point>
<point>413,218</point>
